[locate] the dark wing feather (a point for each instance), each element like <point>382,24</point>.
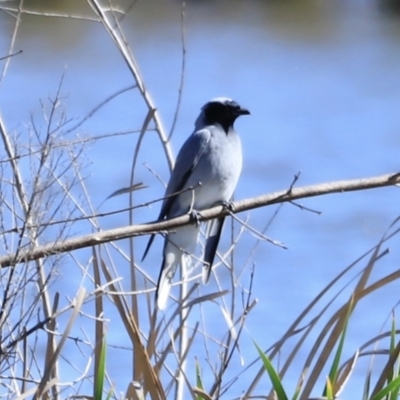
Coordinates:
<point>186,162</point>
<point>211,245</point>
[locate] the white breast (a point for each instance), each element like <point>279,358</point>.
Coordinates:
<point>216,176</point>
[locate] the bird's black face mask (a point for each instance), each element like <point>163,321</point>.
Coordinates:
<point>224,114</point>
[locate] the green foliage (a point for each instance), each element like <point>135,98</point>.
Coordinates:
<point>273,375</point>
<point>99,378</point>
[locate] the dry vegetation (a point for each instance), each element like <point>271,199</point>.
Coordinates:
<point>43,197</point>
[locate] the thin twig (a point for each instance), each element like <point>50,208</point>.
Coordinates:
<point>11,55</point>
<point>183,41</point>
<point>71,143</point>
<point>100,105</point>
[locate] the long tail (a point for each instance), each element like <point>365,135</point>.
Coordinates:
<point>164,284</point>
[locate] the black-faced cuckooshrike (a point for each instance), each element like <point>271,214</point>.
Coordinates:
<point>210,161</point>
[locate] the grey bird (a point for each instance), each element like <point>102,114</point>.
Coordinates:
<point>206,173</point>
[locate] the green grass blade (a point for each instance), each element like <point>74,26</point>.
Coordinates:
<point>333,373</point>
<point>394,385</point>
<point>99,379</point>
<point>394,373</point>
<point>199,382</point>
<point>273,376</point>
<point>392,347</point>
<point>329,389</point>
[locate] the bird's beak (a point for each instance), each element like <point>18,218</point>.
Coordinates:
<point>243,111</point>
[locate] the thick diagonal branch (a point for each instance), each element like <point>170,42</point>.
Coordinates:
<point>168,225</point>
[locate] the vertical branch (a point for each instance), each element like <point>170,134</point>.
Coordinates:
<point>13,38</point>
<point>186,261</point>
<point>134,303</point>
<point>183,66</point>
<point>23,203</point>
<point>111,23</point>
<point>14,165</point>
<point>116,34</point>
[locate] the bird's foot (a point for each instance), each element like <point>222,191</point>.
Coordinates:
<point>228,205</point>
<point>195,216</point>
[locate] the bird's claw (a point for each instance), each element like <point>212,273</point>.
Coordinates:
<point>195,216</point>
<point>228,205</point>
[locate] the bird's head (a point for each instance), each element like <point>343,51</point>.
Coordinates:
<point>222,111</point>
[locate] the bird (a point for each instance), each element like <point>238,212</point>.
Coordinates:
<point>205,174</point>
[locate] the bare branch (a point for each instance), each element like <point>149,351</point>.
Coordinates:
<point>113,29</point>
<point>11,55</point>
<point>178,103</point>
<point>214,212</point>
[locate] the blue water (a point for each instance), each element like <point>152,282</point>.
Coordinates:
<point>322,81</point>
